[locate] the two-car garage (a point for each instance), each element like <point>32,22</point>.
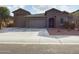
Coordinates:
<point>36,22</point>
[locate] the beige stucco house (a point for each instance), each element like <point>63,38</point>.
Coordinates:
<point>50,19</point>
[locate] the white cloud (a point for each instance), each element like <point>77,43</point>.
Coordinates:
<point>15,7</point>
<point>65,8</point>
<point>43,8</point>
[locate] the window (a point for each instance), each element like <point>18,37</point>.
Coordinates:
<point>61,20</point>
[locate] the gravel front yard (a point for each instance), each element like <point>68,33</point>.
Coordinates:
<point>56,31</point>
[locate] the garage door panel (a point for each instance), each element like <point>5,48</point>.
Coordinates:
<point>37,23</point>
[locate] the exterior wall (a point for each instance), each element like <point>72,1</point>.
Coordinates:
<point>19,21</point>
<point>36,22</point>
<point>21,13</point>
<point>57,17</point>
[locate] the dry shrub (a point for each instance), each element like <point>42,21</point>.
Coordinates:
<point>68,25</point>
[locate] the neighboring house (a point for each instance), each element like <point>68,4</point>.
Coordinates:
<point>76,17</point>
<point>50,19</point>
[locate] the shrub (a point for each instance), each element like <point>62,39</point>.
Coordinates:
<point>72,26</point>
<point>10,25</point>
<point>66,25</point>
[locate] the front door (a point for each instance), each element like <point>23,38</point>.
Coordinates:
<point>51,22</point>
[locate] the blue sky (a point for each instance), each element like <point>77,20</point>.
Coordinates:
<point>42,8</point>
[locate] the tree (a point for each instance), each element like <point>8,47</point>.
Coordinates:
<point>4,14</point>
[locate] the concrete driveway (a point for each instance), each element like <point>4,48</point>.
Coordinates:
<point>24,40</point>
<point>25,35</point>
<point>34,36</point>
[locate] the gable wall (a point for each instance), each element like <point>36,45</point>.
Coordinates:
<point>57,16</point>
<point>21,13</point>
<point>20,21</point>
<point>19,18</point>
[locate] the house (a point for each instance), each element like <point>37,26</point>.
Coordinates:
<point>50,19</point>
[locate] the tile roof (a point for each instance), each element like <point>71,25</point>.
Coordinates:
<point>21,10</point>
<point>36,15</point>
